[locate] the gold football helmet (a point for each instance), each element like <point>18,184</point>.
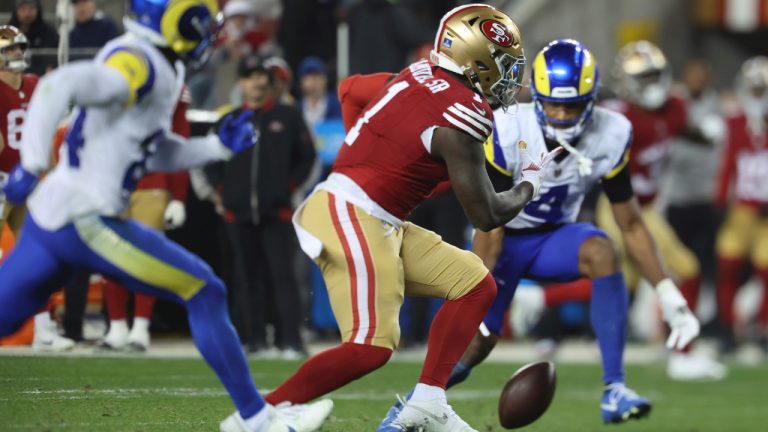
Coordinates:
<point>10,37</point>
<point>642,75</point>
<point>484,45</point>
<point>753,77</point>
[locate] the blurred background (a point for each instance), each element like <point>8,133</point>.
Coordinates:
<point>307,47</point>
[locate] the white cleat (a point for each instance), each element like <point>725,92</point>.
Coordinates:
<point>47,339</point>
<point>305,417</point>
<point>284,418</point>
<point>528,306</point>
<point>430,416</point>
<point>138,339</point>
<point>116,338</point>
<point>689,367</point>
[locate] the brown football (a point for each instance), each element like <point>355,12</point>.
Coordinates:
<point>527,395</point>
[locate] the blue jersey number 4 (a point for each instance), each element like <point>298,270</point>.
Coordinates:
<point>549,205</point>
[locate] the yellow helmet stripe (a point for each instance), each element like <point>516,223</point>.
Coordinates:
<point>587,80</point>
<point>540,77</point>
<point>169,25</point>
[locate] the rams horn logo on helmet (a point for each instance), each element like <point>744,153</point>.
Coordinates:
<point>497,33</point>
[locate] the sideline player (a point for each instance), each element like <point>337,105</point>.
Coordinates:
<point>426,125</point>
<point>545,243</point>
<point>16,89</point>
<point>124,102</point>
<point>742,191</point>
<point>643,79</point>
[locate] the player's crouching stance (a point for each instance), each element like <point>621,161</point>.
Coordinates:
<point>124,103</point>
<point>545,243</point>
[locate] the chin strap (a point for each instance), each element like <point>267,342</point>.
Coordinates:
<point>582,162</point>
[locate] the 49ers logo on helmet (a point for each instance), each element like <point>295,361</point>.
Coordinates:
<point>496,32</point>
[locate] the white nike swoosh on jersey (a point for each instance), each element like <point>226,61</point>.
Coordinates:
<point>479,110</point>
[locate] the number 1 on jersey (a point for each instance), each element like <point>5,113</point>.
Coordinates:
<point>392,91</point>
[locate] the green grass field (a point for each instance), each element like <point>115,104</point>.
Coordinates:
<point>143,394</point>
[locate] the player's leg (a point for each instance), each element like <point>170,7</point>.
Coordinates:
<point>734,240</point>
<point>510,267</point>
<point>141,259</point>
<point>363,273</point>
<point>28,277</point>
<point>437,269</point>
<point>760,262</point>
<point>116,300</point>
<point>583,250</point>
<point>146,207</point>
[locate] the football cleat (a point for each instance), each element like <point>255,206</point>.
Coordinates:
<point>688,367</point>
<point>391,415</point>
<point>305,417</point>
<point>47,339</point>
<point>621,404</point>
<point>116,338</point>
<point>427,416</point>
<point>138,339</point>
<point>235,423</point>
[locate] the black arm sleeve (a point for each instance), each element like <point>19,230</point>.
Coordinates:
<point>619,187</point>
<point>500,181</point>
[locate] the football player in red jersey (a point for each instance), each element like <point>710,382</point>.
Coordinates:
<point>16,88</point>
<point>643,80</point>
<point>426,125</point>
<point>742,183</point>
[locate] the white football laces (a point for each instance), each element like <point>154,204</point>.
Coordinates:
<point>582,162</point>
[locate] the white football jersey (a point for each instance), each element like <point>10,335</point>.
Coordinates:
<point>516,132</point>
<point>107,146</point>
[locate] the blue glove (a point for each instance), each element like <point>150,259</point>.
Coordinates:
<point>238,133</point>
<point>20,184</point>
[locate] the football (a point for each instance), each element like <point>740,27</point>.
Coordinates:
<point>527,395</point>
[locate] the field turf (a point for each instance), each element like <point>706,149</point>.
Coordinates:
<point>150,394</point>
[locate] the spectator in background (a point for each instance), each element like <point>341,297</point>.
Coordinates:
<point>693,160</point>
<point>383,33</point>
<point>256,190</point>
<point>28,17</point>
<point>317,103</point>
<point>93,29</point>
<point>283,75</point>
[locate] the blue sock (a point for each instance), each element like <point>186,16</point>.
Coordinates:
<point>608,313</point>
<point>217,341</point>
<point>458,374</point>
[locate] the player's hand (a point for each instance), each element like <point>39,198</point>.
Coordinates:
<point>20,184</point>
<point>238,133</point>
<point>683,324</point>
<point>533,172</point>
<point>175,215</point>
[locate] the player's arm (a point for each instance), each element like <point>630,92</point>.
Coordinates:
<point>356,91</point>
<point>84,84</point>
<point>487,245</point>
<point>642,248</point>
<point>465,160</point>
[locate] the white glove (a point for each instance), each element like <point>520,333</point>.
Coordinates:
<point>684,327</point>
<point>533,172</point>
<point>175,215</point>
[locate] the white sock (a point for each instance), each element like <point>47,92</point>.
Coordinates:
<point>424,392</point>
<point>140,324</point>
<point>258,421</point>
<point>43,320</point>
<point>118,326</point>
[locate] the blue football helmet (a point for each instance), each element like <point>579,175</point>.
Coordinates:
<point>188,27</point>
<point>564,72</point>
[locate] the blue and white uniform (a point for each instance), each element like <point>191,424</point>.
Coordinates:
<point>542,242</point>
<point>124,101</point>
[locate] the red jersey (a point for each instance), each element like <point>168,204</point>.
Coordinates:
<point>745,163</point>
<point>176,183</point>
<point>386,152</point>
<point>13,109</point>
<point>651,134</point>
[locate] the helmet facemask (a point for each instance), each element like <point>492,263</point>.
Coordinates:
<point>569,130</point>
<point>505,90</point>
